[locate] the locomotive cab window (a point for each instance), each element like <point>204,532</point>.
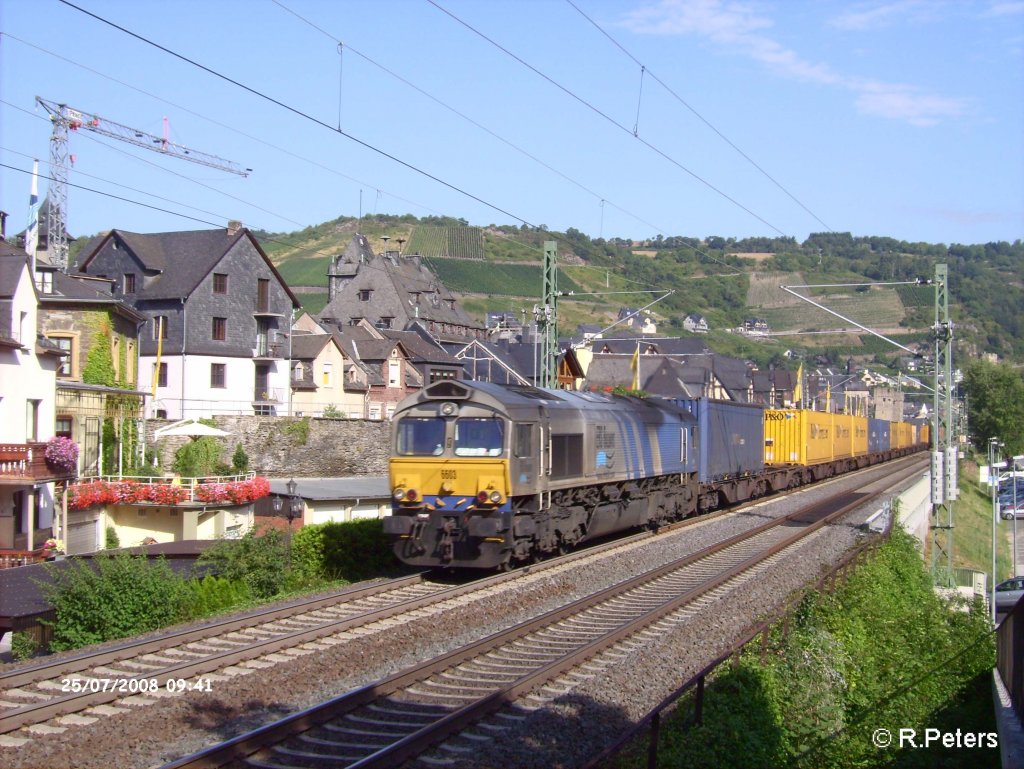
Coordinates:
<point>420,436</point>
<point>483,437</point>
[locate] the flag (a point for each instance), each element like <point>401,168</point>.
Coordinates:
<point>635,366</point>
<point>798,390</point>
<point>32,230</point>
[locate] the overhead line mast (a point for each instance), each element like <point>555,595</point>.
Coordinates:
<point>64,119</point>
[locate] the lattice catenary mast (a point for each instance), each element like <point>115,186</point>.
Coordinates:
<point>64,119</point>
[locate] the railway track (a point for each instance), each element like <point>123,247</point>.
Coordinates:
<point>41,694</point>
<point>173,661</point>
<point>391,721</point>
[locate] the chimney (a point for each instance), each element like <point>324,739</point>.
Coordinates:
<point>233,227</point>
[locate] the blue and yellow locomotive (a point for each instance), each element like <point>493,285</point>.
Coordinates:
<point>487,476</point>
<point>490,476</point>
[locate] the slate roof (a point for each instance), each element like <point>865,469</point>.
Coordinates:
<point>419,349</point>
<point>175,263</point>
<point>403,288</point>
<point>11,267</point>
<point>308,346</point>
<point>84,289</point>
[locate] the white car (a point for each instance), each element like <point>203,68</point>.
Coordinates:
<point>1007,511</point>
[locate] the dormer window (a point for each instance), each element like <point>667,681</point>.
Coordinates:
<point>365,294</point>
<point>44,281</point>
<point>128,284</point>
<point>384,323</point>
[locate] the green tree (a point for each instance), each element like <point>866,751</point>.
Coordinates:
<point>198,458</point>
<point>995,405</point>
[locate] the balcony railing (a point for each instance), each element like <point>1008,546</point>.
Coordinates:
<point>26,463</point>
<point>268,350</point>
<point>142,491</point>
<point>269,395</point>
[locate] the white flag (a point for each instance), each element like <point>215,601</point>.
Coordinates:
<point>32,230</point>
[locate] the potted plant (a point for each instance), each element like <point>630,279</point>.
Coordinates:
<point>53,549</point>
<point>62,454</point>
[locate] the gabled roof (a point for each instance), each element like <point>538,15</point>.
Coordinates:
<point>175,263</point>
<point>11,267</point>
<point>309,346</point>
<point>419,349</point>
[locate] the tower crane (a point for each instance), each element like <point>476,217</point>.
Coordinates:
<point>65,119</point>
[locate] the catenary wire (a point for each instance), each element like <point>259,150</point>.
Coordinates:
<point>468,119</point>
<point>699,116</point>
<point>664,155</point>
<point>306,116</point>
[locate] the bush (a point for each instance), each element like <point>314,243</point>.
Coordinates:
<point>882,651</point>
<point>257,560</point>
<point>111,540</point>
<point>23,645</point>
<point>351,550</point>
<point>114,596</point>
<point>213,594</point>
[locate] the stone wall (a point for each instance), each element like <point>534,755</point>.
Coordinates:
<point>290,446</point>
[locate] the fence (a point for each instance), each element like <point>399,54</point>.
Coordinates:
<point>1010,657</point>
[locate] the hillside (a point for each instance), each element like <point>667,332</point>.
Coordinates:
<point>724,279</point>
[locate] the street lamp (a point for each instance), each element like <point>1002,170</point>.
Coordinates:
<point>993,478</point>
<point>292,511</point>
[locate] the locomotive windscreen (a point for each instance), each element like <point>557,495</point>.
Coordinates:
<point>482,437</point>
<point>420,436</point>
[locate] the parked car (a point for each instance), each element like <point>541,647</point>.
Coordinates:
<point>1008,592</point>
<point>1009,511</point>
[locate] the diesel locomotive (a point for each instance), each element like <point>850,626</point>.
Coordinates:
<point>490,476</point>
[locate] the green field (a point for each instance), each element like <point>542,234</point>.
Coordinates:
<point>300,271</point>
<point>495,279</point>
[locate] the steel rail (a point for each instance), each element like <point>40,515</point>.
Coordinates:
<point>37,712</point>
<point>73,702</point>
<point>244,747</point>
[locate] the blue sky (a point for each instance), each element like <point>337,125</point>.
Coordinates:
<point>902,118</point>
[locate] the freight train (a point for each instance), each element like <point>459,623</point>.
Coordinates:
<point>490,476</point>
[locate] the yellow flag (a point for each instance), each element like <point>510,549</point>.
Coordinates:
<point>635,365</point>
<point>798,390</point>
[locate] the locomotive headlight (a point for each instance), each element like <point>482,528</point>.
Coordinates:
<point>448,409</point>
<point>399,494</point>
<point>495,497</point>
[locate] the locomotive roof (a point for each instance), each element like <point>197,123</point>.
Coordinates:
<point>511,397</point>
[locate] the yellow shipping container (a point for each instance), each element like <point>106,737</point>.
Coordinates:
<point>901,435</point>
<point>860,436</point>
<point>797,437</point>
<point>842,432</point>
